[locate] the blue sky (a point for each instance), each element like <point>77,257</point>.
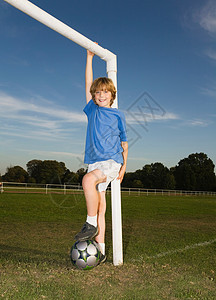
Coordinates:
<point>166,79</point>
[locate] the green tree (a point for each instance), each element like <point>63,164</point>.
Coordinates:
<point>52,171</point>
<point>128,179</point>
<point>34,169</point>
<point>70,177</point>
<point>146,176</point>
<point>47,171</point>
<point>15,174</point>
<point>137,183</point>
<point>81,172</point>
<point>196,172</point>
<point>157,176</point>
<point>151,176</point>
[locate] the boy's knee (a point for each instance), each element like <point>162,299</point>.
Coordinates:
<point>93,177</point>
<point>86,180</point>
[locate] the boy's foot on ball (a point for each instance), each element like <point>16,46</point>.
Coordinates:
<point>88,231</point>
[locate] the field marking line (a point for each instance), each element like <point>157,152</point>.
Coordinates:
<point>162,254</point>
<point>206,243</point>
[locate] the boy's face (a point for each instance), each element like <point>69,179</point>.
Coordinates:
<point>103,97</point>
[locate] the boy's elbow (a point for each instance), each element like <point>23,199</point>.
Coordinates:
<point>124,145</point>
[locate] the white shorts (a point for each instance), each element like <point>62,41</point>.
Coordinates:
<point>110,168</point>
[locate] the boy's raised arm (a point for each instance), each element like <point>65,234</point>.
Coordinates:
<point>88,75</point>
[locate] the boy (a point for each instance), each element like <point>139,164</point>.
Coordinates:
<point>105,152</point>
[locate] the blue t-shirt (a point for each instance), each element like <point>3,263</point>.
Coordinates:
<point>105,132</point>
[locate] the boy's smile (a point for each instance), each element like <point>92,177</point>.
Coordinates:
<point>103,98</point>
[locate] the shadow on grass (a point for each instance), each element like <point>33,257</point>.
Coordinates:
<point>127,233</point>
<point>27,255</point>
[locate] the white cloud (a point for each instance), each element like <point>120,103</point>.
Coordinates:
<point>33,120</point>
<point>53,153</point>
<point>40,135</point>
<point>209,91</point>
<point>16,109</point>
<point>137,117</point>
<point>197,123</point>
<point>211,54</point>
<point>206,16</point>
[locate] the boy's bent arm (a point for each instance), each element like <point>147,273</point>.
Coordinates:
<point>125,155</point>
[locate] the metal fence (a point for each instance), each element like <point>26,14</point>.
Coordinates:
<point>16,187</point>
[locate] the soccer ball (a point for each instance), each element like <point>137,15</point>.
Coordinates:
<point>85,255</point>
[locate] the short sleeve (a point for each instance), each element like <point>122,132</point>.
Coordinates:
<point>89,108</point>
<point>122,127</point>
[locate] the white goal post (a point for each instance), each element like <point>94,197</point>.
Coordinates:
<point>111,67</point>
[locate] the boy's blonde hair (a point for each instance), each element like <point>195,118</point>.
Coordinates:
<point>103,83</point>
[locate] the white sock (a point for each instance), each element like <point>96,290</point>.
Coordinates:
<point>102,248</point>
<point>92,220</point>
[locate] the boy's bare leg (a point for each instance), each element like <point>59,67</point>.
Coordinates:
<point>90,180</point>
<point>100,238</point>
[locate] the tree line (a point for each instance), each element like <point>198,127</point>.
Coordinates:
<point>194,173</point>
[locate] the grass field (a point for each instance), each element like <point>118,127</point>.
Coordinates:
<point>169,249</point>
